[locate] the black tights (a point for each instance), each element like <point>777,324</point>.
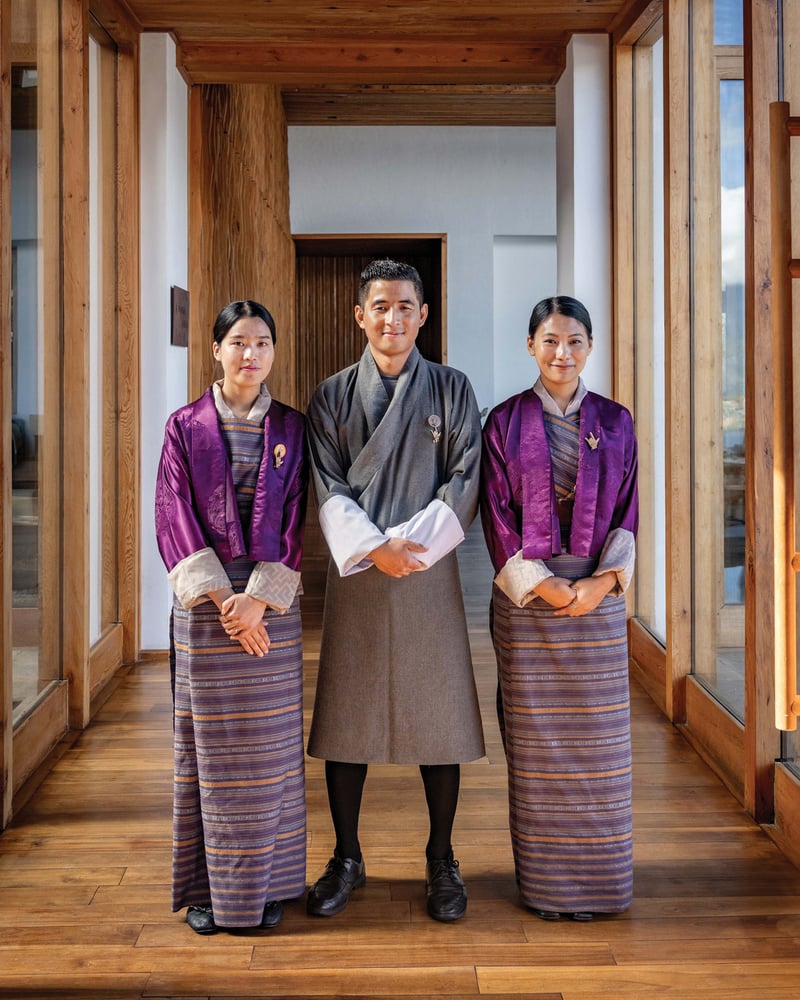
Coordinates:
<point>346,784</point>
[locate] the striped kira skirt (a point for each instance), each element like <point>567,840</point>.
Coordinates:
<point>239,818</point>
<point>564,708</point>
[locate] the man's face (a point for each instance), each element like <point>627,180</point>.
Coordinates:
<point>391,318</point>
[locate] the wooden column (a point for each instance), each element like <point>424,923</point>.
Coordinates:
<point>677,326</point>
<point>240,243</point>
<point>75,430</point>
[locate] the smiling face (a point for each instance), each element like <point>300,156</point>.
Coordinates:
<point>391,317</point>
<point>246,354</point>
<point>560,346</point>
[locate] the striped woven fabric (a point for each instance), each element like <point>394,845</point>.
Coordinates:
<point>562,436</point>
<point>566,719</point>
<point>239,823</point>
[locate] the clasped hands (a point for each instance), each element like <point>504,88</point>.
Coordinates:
<point>395,557</point>
<point>241,616</point>
<point>575,598</point>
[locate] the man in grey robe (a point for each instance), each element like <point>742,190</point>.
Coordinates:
<point>395,453</point>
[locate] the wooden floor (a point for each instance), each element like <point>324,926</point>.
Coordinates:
<point>84,881</point>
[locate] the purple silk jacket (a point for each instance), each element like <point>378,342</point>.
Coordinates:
<point>518,498</point>
<point>195,499</point>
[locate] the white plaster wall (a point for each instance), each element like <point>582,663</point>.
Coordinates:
<point>474,184</point>
<point>584,193</point>
<point>520,262</point>
<point>164,235</point>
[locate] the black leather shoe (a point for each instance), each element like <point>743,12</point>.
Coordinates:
<point>545,914</point>
<point>273,914</point>
<point>447,895</point>
<point>201,920</point>
<point>330,893</point>
<point>582,916</point>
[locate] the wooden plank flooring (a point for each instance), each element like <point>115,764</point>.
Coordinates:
<point>85,867</point>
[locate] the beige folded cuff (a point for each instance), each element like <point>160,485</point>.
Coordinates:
<point>196,576</point>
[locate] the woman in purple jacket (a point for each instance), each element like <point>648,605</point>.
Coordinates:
<point>230,505</point>
<point>559,511</point>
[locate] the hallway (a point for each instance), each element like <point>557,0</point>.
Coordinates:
<point>85,867</point>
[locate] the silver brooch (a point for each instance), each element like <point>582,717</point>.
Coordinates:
<point>435,423</point>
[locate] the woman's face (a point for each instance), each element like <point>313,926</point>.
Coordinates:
<point>246,353</point>
<point>560,346</point>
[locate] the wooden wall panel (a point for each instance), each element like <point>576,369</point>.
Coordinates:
<point>240,243</point>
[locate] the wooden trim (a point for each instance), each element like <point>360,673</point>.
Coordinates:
<point>642,346</point>
<point>75,430</point>
<point>200,302</point>
<point>786,831</point>
<point>783,488</point>
<point>39,733</point>
<point>104,658</point>
<point>677,321</point>
<point>761,584</point>
<point>623,137</point>
<point>120,23</point>
<point>6,541</point>
<point>648,662</point>
<point>716,735</point>
<point>634,20</point>
<point>116,20</point>
<point>443,287</point>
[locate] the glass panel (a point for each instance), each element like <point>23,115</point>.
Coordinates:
<point>35,353</point>
<point>651,570</point>
<point>728,22</point>
<point>102,334</point>
<point>718,358</point>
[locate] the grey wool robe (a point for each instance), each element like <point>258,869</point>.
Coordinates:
<point>395,678</point>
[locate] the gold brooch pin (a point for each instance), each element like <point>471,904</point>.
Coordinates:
<point>592,441</point>
<point>435,423</point>
<point>279,451</point>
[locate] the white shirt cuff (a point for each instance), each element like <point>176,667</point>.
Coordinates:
<point>436,526</point>
<point>196,576</point>
<point>274,584</point>
<point>618,556</point>
<point>519,578</point>
<point>350,534</point>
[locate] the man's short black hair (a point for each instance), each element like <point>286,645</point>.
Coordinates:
<point>389,270</point>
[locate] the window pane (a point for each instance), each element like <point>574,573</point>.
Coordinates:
<point>650,578</point>
<point>728,22</point>
<point>717,361</point>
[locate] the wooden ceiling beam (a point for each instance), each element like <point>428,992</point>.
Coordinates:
<point>395,104</point>
<point>422,61</point>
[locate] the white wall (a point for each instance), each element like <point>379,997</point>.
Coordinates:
<point>526,263</point>
<point>584,193</point>
<point>164,235</point>
<point>474,184</point>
